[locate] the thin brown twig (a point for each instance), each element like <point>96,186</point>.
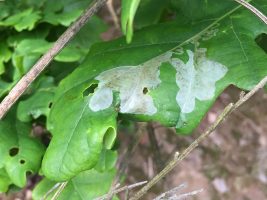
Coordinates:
<point>113,14</point>
<point>43,62</point>
<point>172,194</point>
<point>179,157</point>
<point>253,9</point>
<point>127,187</point>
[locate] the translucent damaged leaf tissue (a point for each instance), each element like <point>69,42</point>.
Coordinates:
<point>132,83</point>
<point>196,80</point>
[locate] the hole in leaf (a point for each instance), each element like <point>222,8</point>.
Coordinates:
<point>13,151</point>
<point>90,89</point>
<point>28,173</point>
<point>109,137</point>
<point>50,105</point>
<point>261,40</point>
<point>46,138</point>
<point>145,90</point>
<point>22,162</point>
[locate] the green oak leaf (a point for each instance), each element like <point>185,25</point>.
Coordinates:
<point>86,185</point>
<point>25,19</point>
<point>63,12</point>
<point>77,143</point>
<point>129,8</point>
<point>27,53</point>
<point>5,10</point>
<point>5,87</point>
<point>87,36</point>
<point>19,152</point>
<point>39,102</point>
<point>79,46</point>
<point>65,18</point>
<point>219,52</point>
<point>28,50</point>
<point>149,12</point>
<point>196,10</point>
<point>15,39</point>
<point>5,55</point>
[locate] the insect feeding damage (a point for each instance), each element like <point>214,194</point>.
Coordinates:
<point>196,80</point>
<point>130,82</point>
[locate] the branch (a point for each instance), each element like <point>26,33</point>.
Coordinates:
<point>253,9</point>
<point>113,14</point>
<point>43,62</point>
<point>172,194</point>
<point>179,157</point>
<point>116,191</point>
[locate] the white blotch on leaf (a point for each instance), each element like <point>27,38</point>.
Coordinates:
<point>102,98</point>
<point>130,82</point>
<point>196,79</point>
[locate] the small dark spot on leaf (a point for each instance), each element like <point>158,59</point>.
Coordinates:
<point>90,89</point>
<point>22,162</point>
<point>261,41</point>
<point>50,105</point>
<point>13,151</point>
<point>145,90</point>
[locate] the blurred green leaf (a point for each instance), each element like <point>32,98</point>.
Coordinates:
<point>29,50</point>
<point>39,102</point>
<point>5,55</point>
<point>149,12</point>
<point>20,153</point>
<point>86,185</point>
<point>128,11</point>
<point>5,10</point>
<point>4,181</point>
<point>195,10</point>
<point>5,87</point>
<point>23,20</point>
<point>63,12</point>
<point>27,53</point>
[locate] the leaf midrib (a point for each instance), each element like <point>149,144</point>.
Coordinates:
<point>72,134</point>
